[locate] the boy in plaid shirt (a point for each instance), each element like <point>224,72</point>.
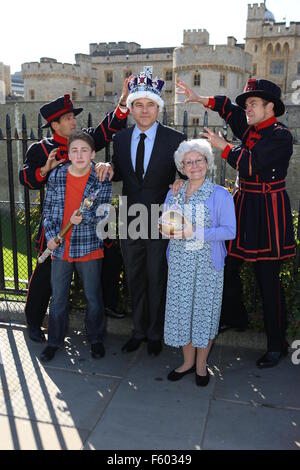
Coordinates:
<point>67,187</point>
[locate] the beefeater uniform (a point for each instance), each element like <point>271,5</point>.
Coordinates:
<point>39,288</point>
<point>265,233</point>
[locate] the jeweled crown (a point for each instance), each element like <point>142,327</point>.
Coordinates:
<point>144,82</point>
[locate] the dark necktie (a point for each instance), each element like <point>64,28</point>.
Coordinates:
<point>139,162</point>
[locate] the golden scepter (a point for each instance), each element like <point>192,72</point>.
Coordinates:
<point>86,204</point>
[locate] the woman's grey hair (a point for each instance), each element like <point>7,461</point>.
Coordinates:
<point>201,146</point>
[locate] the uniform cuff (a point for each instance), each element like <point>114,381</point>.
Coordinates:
<point>121,114</point>
<point>38,175</point>
<point>211,103</point>
<point>226,151</point>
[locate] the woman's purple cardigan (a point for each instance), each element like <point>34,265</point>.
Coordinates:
<point>223,224</point>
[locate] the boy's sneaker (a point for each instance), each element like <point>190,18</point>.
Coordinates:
<point>97,350</point>
<point>48,354</point>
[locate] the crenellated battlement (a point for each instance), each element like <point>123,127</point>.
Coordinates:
<point>281,29</point>
<point>197,37</point>
<point>256,11</point>
<point>52,67</point>
<point>107,47</point>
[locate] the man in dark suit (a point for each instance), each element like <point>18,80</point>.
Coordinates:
<point>143,160</point>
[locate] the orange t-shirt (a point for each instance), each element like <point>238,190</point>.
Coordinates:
<point>75,186</point>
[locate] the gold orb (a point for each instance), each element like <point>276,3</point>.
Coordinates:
<point>170,221</point>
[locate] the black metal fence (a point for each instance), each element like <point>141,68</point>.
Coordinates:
<point>19,220</point>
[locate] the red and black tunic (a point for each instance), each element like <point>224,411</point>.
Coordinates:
<point>263,212</point>
<point>38,153</point>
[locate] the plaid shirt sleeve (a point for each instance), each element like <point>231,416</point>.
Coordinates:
<point>48,219</point>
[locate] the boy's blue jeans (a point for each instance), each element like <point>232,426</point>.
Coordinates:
<point>61,277</point>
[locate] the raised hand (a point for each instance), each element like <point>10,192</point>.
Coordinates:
<point>51,162</point>
<point>125,91</point>
<point>216,141</point>
<point>191,95</point>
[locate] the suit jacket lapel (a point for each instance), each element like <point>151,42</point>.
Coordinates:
<point>156,151</point>
<point>127,151</point>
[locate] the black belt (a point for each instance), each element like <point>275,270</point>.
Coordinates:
<point>271,187</point>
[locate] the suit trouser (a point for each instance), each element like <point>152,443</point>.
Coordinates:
<point>272,294</point>
<point>39,293</point>
<point>111,268</point>
<point>146,273</point>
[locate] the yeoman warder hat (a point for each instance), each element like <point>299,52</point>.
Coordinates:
<point>264,89</point>
<point>57,108</point>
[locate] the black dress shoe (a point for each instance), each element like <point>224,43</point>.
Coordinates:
<point>202,380</point>
<point>132,345</point>
<point>154,347</point>
<point>271,358</point>
<point>97,350</point>
<point>174,375</point>
<point>239,328</point>
<point>113,314</point>
<point>36,334</point>
<point>48,354</point>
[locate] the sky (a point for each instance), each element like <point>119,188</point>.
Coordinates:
<point>31,29</point>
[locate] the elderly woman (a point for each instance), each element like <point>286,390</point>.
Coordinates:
<point>196,260</point>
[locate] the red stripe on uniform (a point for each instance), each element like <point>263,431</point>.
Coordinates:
<point>25,179</point>
<point>228,116</point>
<point>275,211</point>
<point>283,213</point>
<point>223,110</point>
<point>239,159</point>
<point>104,133</point>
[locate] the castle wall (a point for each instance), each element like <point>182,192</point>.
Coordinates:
<point>210,62</point>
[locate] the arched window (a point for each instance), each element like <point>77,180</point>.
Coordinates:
<point>286,49</point>
<point>197,79</point>
<point>277,49</point>
<point>169,75</point>
<point>270,49</point>
<point>222,80</point>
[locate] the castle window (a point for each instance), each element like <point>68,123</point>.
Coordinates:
<point>255,48</point>
<point>197,79</point>
<point>32,94</point>
<point>108,77</point>
<point>195,122</point>
<point>74,94</point>
<point>108,93</point>
<point>277,67</point>
<point>169,75</point>
<point>90,93</point>
<point>222,80</point>
<point>298,70</point>
<point>254,70</point>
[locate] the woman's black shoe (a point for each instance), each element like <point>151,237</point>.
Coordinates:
<point>174,376</point>
<point>201,380</point>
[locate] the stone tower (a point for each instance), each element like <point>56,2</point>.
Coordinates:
<point>274,47</point>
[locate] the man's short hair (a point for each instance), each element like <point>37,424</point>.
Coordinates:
<point>80,135</point>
